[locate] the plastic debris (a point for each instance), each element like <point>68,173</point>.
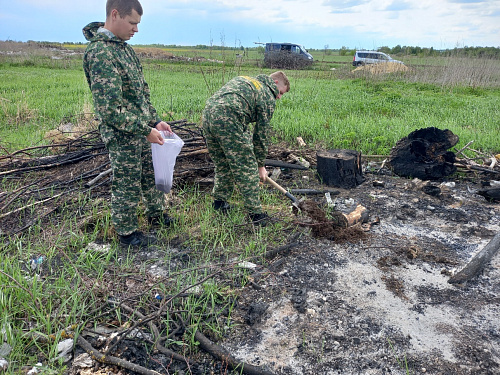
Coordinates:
<point>100,248</point>
<point>83,361</point>
<point>304,162</point>
<point>5,350</point>
<point>35,370</point>
<point>64,348</point>
<point>36,262</point>
<point>450,184</point>
<point>329,201</point>
<point>3,364</point>
<point>247,265</point>
<point>275,173</point>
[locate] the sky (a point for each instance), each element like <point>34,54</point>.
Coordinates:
<point>316,24</point>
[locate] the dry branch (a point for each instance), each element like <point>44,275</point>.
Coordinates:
<point>158,339</point>
<point>221,354</point>
<point>110,360</point>
<point>476,168</point>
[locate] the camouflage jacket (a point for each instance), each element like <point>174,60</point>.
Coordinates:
<point>250,100</point>
<point>120,93</point>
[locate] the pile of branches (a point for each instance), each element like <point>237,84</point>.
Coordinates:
<point>160,324</point>
<point>37,181</point>
<point>486,163</point>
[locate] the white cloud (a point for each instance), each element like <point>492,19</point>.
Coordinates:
<point>353,23</point>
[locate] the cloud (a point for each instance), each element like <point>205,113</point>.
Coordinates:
<point>467,1</point>
<point>397,6</point>
<point>314,23</point>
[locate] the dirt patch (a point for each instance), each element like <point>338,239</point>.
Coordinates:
<point>381,302</point>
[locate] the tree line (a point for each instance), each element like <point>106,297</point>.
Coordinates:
<point>487,52</point>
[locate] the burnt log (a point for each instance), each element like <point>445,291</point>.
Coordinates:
<point>423,154</point>
<point>282,164</point>
<point>491,195</point>
<point>477,263</point>
<point>340,168</point>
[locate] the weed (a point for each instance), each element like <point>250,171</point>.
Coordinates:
<point>403,363</point>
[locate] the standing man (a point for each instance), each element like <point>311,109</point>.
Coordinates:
<point>128,121</point>
<point>237,149</point>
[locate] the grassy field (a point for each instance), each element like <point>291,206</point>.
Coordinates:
<point>328,106</point>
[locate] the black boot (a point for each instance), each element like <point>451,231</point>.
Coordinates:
<point>221,206</point>
<point>164,220</point>
<point>137,239</point>
<point>261,219</point>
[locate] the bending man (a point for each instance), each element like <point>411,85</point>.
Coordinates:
<point>238,149</point>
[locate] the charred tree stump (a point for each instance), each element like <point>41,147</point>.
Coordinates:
<point>477,263</point>
<point>340,168</point>
<point>423,154</point>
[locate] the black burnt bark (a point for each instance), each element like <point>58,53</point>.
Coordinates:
<point>340,168</point>
<point>423,154</point>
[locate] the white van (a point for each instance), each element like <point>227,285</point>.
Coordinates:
<point>372,57</point>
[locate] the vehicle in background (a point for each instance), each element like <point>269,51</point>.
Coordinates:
<point>372,57</point>
<point>286,56</point>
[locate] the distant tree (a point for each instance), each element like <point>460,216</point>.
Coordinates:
<point>384,49</point>
<point>396,50</point>
<point>344,51</point>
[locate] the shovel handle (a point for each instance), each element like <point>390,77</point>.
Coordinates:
<point>281,188</point>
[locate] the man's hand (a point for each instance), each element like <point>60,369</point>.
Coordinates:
<point>162,125</point>
<point>155,136</point>
<point>262,174</point>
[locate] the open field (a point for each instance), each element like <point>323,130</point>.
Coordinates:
<point>371,301</point>
<point>335,108</point>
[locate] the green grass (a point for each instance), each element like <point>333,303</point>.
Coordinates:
<point>329,107</point>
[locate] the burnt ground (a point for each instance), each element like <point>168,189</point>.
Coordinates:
<point>372,299</point>
<point>381,303</point>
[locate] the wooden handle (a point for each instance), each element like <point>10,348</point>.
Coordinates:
<point>276,185</point>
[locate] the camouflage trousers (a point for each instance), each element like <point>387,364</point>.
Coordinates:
<point>229,143</point>
<point>133,180</point>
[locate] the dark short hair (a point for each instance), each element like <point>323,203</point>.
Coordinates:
<point>124,7</point>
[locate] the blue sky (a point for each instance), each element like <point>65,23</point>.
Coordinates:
<point>313,23</point>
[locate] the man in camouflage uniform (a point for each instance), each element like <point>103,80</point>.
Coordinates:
<point>238,150</point>
<point>128,121</point>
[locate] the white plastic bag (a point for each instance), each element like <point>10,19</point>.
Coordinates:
<point>164,157</point>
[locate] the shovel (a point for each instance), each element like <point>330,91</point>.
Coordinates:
<point>294,200</point>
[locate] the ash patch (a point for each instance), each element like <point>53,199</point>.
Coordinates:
<point>381,303</point>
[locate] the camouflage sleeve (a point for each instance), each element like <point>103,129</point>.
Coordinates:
<point>106,87</point>
<point>260,136</point>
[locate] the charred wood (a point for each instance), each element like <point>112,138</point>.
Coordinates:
<point>340,168</point>
<point>477,263</point>
<point>282,164</point>
<point>111,360</point>
<point>423,154</point>
<point>221,354</point>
